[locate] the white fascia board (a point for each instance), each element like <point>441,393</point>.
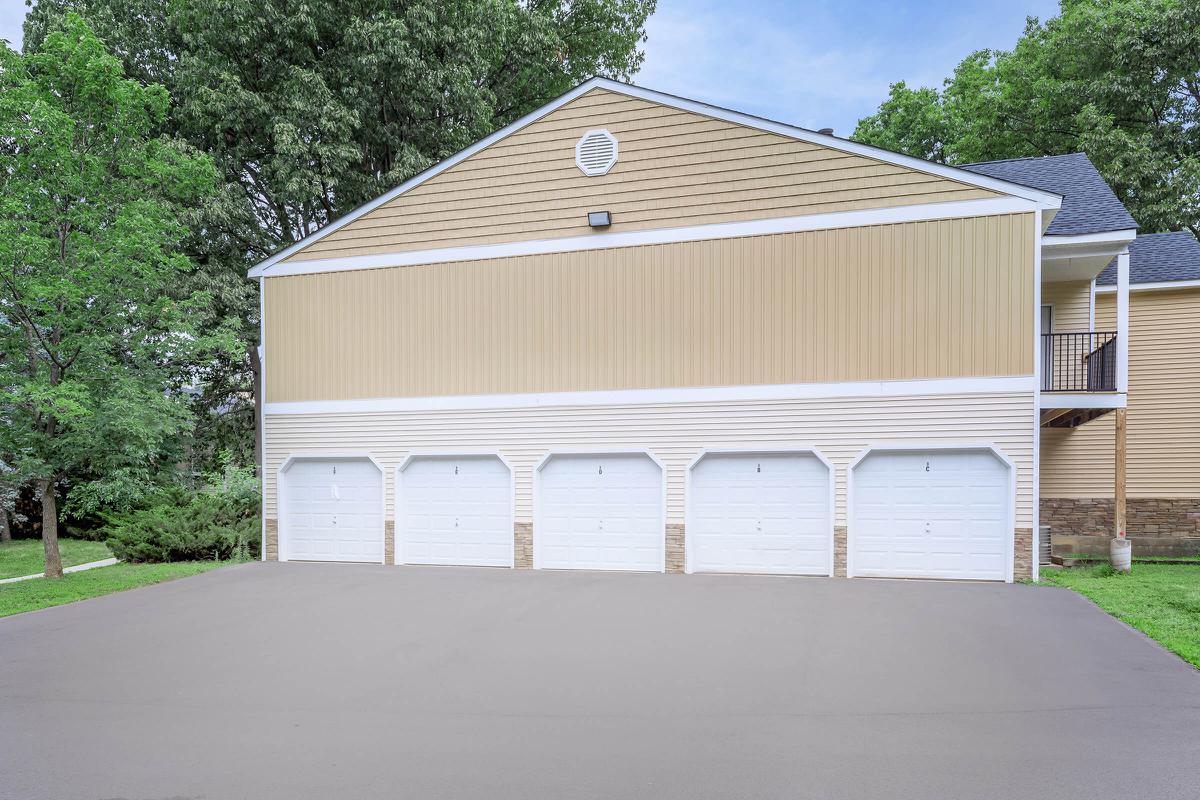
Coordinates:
<point>1151,286</point>
<point>1047,200</point>
<point>1114,237</point>
<point>704,394</point>
<point>1088,245</point>
<point>694,233</point>
<point>1083,400</point>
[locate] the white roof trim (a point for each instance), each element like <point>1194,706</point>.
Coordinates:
<point>1088,245</point>
<point>1152,286</point>
<point>1105,237</point>
<point>1045,199</point>
<point>891,215</point>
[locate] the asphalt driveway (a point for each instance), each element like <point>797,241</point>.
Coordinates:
<point>337,681</point>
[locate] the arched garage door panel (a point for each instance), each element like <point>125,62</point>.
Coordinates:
<point>760,512</point>
<point>333,510</point>
<point>931,514</point>
<point>600,512</point>
<point>455,510</point>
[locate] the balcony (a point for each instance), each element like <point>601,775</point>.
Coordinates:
<point>1080,379</point>
<point>1080,361</point>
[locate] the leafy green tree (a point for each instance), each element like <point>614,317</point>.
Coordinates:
<point>1116,79</point>
<point>92,334</point>
<point>311,108</point>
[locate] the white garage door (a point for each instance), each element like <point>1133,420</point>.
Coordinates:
<point>455,511</point>
<point>931,514</point>
<point>333,511</point>
<point>600,512</point>
<point>759,512</point>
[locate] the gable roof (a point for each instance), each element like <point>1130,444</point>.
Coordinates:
<point>1046,198</point>
<point>1088,206</point>
<point>1158,258</point>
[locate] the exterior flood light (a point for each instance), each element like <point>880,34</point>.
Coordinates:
<point>599,219</point>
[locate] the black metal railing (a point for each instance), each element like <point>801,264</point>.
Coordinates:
<point>1079,362</point>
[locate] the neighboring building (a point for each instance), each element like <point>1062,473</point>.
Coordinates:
<point>1163,434</point>
<point>632,331</point>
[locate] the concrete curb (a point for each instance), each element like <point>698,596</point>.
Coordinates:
<point>105,562</point>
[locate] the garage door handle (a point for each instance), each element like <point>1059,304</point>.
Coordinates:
<point>333,491</point>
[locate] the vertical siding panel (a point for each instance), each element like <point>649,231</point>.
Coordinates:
<point>971,290</point>
<point>887,302</point>
<point>997,346</point>
<point>948,328</point>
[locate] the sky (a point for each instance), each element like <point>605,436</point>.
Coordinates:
<point>816,63</point>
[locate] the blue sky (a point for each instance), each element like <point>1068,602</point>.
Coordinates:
<point>820,63</point>
<point>816,63</point>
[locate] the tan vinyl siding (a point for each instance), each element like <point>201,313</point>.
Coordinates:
<point>915,300</point>
<point>1072,304</point>
<point>675,168</point>
<point>674,432</point>
<point>1164,395</point>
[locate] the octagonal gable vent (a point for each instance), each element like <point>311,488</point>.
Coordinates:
<point>596,152</point>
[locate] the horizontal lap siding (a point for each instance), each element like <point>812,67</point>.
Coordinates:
<point>1072,301</point>
<point>675,168</point>
<point>675,433</point>
<point>1163,434</point>
<point>891,302</point>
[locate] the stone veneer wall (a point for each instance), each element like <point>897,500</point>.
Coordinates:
<point>523,545</point>
<point>272,553</point>
<point>1093,516</point>
<point>839,551</point>
<point>389,541</point>
<point>675,552</point>
<point>1023,554</point>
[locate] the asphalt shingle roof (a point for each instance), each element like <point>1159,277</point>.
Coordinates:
<point>1089,205</point>
<point>1158,258</point>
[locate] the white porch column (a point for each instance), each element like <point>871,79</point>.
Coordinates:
<point>1123,321</point>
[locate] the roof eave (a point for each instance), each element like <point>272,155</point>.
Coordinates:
<point>1086,245</point>
<point>1151,286</point>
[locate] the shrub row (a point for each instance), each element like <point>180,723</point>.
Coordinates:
<point>179,525</point>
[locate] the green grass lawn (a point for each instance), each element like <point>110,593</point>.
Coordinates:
<point>26,556</point>
<point>45,592</point>
<point>1160,600</point>
<point>1139,559</point>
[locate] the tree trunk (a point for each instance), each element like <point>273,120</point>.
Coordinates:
<point>256,369</point>
<point>5,528</point>
<point>50,530</point>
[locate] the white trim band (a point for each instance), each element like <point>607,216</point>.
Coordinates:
<point>1083,400</point>
<point>1086,245</point>
<point>704,394</point>
<point>1151,286</point>
<point>1123,236</point>
<point>691,233</point>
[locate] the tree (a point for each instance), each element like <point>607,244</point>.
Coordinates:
<point>1116,79</point>
<point>310,109</point>
<point>92,203</point>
